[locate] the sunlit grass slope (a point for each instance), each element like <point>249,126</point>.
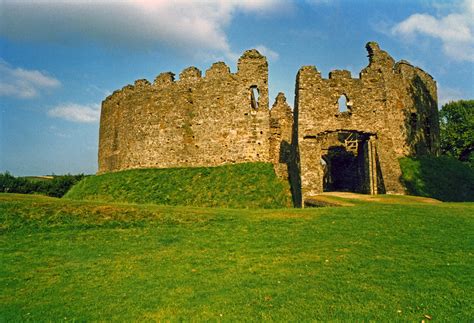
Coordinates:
<point>93,261</point>
<point>443,178</point>
<point>250,185</point>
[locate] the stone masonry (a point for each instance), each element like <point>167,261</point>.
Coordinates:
<point>390,112</point>
<point>196,121</point>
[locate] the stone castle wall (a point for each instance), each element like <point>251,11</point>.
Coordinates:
<point>281,123</point>
<point>391,105</point>
<point>195,121</point>
<point>224,117</point>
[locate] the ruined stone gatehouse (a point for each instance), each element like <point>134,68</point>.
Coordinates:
<point>344,133</point>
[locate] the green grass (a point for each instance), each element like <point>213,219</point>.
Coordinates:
<point>443,178</point>
<point>88,260</point>
<point>251,185</point>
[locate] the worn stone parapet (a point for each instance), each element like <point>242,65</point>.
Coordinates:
<point>378,56</point>
<point>340,74</point>
<point>308,71</point>
<point>190,74</point>
<point>143,83</point>
<point>218,69</point>
<point>252,62</point>
<point>164,79</point>
<point>252,54</point>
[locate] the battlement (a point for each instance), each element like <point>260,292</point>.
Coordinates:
<point>164,79</point>
<point>340,75</point>
<point>251,66</point>
<point>190,74</point>
<point>218,69</point>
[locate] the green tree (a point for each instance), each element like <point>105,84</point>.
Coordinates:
<point>56,187</point>
<point>457,130</point>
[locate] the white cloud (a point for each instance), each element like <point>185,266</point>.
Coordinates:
<point>270,54</point>
<point>188,25</point>
<point>76,112</point>
<point>454,30</point>
<point>22,83</point>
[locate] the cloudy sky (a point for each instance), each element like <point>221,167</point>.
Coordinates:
<point>60,59</point>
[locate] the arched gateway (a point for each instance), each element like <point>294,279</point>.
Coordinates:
<point>348,162</point>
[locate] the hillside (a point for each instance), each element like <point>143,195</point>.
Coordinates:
<point>250,185</point>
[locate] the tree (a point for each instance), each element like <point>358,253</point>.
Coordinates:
<point>56,187</point>
<point>457,130</point>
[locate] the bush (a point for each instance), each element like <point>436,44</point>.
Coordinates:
<point>443,178</point>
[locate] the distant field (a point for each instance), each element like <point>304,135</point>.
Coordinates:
<point>86,260</point>
<point>39,178</point>
<point>250,185</point>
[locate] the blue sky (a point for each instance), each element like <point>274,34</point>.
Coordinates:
<point>60,59</point>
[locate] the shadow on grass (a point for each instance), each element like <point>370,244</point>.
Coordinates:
<point>442,178</point>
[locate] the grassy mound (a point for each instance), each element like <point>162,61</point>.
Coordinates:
<point>250,185</point>
<point>443,178</point>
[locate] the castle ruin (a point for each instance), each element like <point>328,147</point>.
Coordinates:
<point>344,134</point>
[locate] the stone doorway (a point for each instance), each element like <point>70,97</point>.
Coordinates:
<point>341,171</point>
<point>349,162</point>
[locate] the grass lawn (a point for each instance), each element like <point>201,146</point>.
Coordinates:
<point>73,260</point>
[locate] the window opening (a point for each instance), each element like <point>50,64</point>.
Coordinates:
<point>342,104</point>
<point>428,136</point>
<point>254,96</point>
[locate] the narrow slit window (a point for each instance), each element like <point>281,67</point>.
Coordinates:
<point>414,122</point>
<point>342,104</point>
<point>428,136</point>
<point>254,96</point>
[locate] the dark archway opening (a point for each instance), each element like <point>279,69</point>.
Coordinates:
<point>342,170</point>
<point>349,162</point>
